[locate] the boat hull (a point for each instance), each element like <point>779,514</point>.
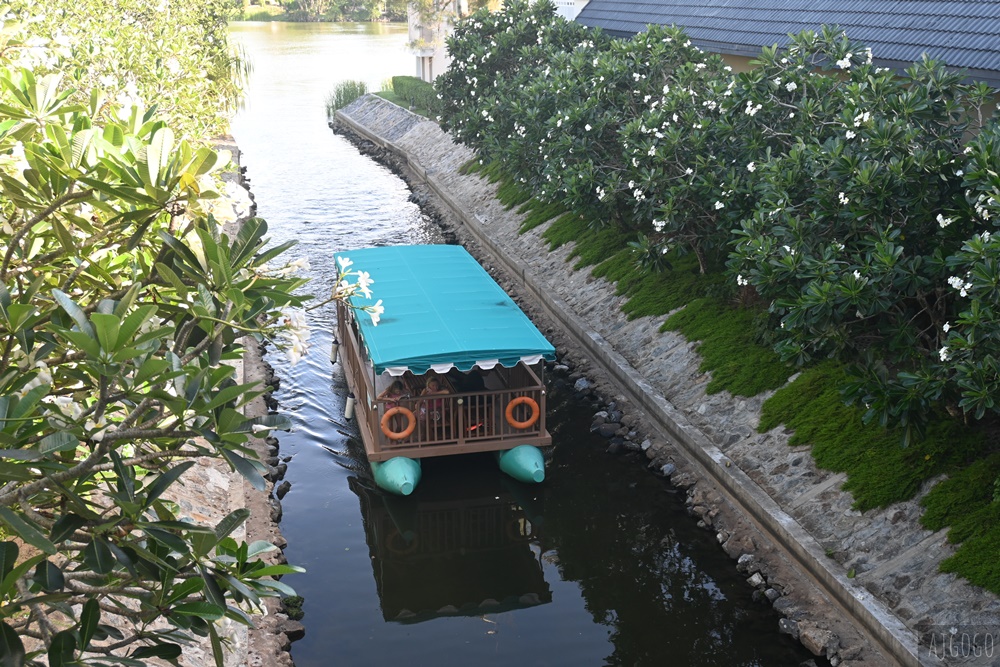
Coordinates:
<point>524,463</point>
<point>399,475</point>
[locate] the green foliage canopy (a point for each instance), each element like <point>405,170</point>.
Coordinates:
<point>122,298</point>
<point>857,203</point>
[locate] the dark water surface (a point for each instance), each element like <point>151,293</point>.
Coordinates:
<point>599,565</point>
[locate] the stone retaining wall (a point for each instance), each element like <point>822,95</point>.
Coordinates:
<point>896,596</point>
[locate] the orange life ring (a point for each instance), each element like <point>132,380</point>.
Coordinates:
<point>411,423</point>
<point>394,538</point>
<point>527,423</point>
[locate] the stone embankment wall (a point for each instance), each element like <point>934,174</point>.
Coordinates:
<point>789,524</point>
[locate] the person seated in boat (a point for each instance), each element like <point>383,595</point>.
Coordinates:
<point>432,407</point>
<point>469,383</point>
<point>393,392</point>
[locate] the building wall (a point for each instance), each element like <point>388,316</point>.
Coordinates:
<point>432,57</point>
<point>427,42</point>
<point>569,9</point>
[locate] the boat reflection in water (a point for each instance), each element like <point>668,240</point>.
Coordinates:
<point>460,546</point>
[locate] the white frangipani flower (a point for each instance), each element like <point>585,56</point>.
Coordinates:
<point>375,312</point>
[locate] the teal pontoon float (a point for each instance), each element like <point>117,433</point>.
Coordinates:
<point>447,325</point>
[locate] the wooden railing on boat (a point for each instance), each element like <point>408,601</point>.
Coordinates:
<point>445,424</point>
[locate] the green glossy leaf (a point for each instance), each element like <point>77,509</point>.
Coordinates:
<point>133,321</point>
<point>74,311</point>
<point>98,557</point>
<point>205,610</point>
<point>231,393</point>
<point>158,154</point>
<point>276,422</point>
<point>7,585</point>
<point>8,558</point>
<point>62,649</point>
<point>11,648</point>
<point>218,654</point>
<point>164,651</point>
<point>186,526</point>
<point>26,531</point>
<point>28,402</point>
<point>124,558</point>
<point>240,589</point>
<point>183,590</point>
<point>107,327</point>
<point>163,482</point>
<point>231,522</point>
<point>124,477</point>
<point>203,162</point>
<point>17,472</point>
<point>212,589</point>
<point>17,314</point>
<point>59,441</point>
<point>249,238</point>
<point>245,468</point>
<point>275,571</point>
<point>167,539</point>
<point>274,585</point>
<point>90,617</point>
<point>49,577</point>
<point>83,146</point>
<point>65,526</point>
<point>85,342</point>
<point>258,547</point>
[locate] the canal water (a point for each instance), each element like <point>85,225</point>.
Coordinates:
<point>600,565</point>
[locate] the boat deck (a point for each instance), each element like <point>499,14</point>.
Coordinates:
<point>459,422</point>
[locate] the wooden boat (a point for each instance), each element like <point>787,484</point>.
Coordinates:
<point>446,322</point>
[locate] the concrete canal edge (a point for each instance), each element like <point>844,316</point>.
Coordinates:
<point>370,119</point>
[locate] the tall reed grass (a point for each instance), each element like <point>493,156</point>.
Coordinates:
<point>343,94</point>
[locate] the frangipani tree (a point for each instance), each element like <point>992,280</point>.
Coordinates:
<point>121,301</point>
<point>856,203</point>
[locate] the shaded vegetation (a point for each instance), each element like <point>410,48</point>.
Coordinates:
<point>799,176</point>
<point>416,94</point>
<point>967,501</point>
<point>880,471</point>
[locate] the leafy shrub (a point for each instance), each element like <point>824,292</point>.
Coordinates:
<point>121,300</point>
<point>266,13</point>
<point>854,203</point>
<point>416,93</point>
<point>851,208</point>
<point>880,472</point>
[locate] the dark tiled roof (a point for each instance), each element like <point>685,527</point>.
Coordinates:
<point>965,34</point>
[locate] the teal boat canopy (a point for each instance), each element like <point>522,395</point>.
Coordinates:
<point>442,310</point>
